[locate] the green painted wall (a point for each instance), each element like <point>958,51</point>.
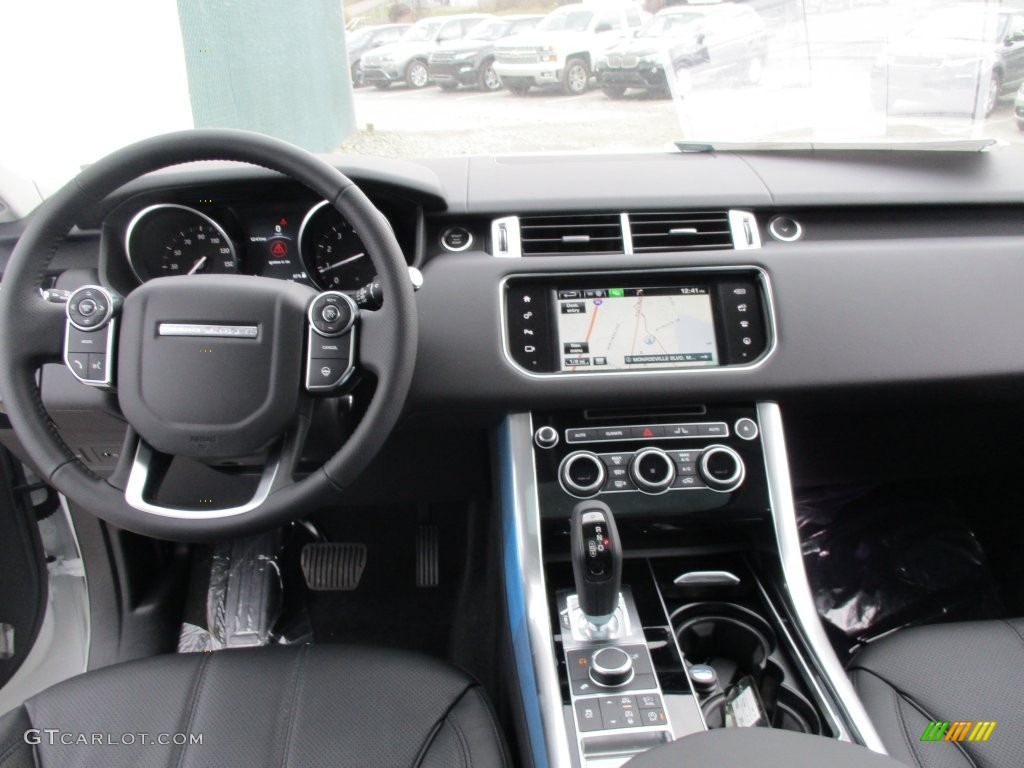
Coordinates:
<point>274,66</point>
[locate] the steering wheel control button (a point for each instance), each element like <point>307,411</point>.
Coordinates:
<point>652,470</point>
<point>332,313</point>
<point>582,474</point>
<point>546,437</point>
<point>87,341</point>
<point>456,239</point>
<point>326,373</point>
<point>721,468</point>
<point>745,429</point>
<point>611,667</point>
<point>90,307</point>
<point>332,347</point>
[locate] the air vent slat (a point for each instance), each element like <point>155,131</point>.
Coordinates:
<point>680,231</point>
<point>585,233</point>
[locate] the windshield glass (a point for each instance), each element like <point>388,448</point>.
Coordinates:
<point>763,73</point>
<point>488,30</point>
<point>566,19</point>
<point>670,25</point>
<point>421,31</point>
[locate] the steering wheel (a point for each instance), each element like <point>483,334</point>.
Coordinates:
<point>209,367</point>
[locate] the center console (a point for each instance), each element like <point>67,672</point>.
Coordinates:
<point>657,553</point>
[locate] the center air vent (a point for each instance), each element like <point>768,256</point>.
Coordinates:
<point>588,233</point>
<point>680,231</point>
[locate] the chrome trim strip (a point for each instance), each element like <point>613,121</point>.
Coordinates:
<point>707,578</point>
<point>627,234</point>
<point>509,226</point>
<point>745,234</point>
<point>150,209</point>
<point>526,595</point>
<point>189,329</point>
<point>780,495</point>
<point>769,309</point>
<point>138,479</point>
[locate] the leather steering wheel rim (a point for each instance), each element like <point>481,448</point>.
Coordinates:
<point>34,331</point>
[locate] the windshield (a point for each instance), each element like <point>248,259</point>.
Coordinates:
<point>488,30</point>
<point>566,20</point>
<point>763,73</point>
<point>960,24</point>
<point>671,25</point>
<point>421,32</point>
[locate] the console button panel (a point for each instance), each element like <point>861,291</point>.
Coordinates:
<point>654,464</point>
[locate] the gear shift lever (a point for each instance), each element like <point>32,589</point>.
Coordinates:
<point>596,560</point>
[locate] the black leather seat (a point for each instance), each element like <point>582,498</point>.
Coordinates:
<point>280,706</point>
<point>970,671</point>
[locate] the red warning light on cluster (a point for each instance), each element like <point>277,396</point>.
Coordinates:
<point>278,249</point>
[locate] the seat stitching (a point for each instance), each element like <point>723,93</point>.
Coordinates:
<point>197,686</point>
<point>452,720</point>
<point>494,728</point>
<point>296,684</point>
<point>903,727</point>
<point>436,728</point>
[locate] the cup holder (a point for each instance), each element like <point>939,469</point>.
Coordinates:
<point>736,642</point>
<point>729,638</point>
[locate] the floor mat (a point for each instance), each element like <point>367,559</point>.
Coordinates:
<point>388,608</point>
<point>882,559</point>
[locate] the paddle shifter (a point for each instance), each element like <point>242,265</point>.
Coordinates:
<point>596,561</point>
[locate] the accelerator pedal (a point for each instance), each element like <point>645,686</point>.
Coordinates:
<point>333,567</point>
<point>428,558</point>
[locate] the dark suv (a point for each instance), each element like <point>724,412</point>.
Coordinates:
<point>471,61</point>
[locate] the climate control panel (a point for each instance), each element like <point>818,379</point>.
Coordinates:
<point>653,462</point>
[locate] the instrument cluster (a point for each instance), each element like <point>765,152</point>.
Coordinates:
<point>314,245</point>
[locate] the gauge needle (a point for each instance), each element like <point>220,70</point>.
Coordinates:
<point>341,263</point>
<point>197,266</point>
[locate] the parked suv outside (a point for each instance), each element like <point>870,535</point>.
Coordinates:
<point>564,45</point>
<point>366,39</point>
<point>699,42</point>
<point>470,61</point>
<point>406,60</point>
<point>958,60</point>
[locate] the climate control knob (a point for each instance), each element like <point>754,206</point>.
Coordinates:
<point>721,468</point>
<point>582,474</point>
<point>652,470</point>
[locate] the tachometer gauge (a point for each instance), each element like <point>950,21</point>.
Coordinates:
<point>165,240</point>
<point>334,256</point>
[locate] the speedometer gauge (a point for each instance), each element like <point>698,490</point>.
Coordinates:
<point>165,240</point>
<point>334,256</point>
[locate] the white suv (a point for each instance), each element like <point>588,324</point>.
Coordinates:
<point>564,46</point>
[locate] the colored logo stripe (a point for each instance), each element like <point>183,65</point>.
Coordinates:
<point>958,730</point>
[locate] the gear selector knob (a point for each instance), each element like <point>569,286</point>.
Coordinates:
<point>596,560</point>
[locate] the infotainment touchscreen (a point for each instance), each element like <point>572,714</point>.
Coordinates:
<point>635,328</point>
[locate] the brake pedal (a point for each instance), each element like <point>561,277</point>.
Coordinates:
<point>428,569</point>
<point>333,567</point>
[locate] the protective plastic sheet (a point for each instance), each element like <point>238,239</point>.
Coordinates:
<point>879,560</point>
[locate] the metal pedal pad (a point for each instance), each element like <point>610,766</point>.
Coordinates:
<point>333,567</point>
<point>428,568</point>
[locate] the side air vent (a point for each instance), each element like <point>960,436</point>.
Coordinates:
<point>680,231</point>
<point>587,233</point>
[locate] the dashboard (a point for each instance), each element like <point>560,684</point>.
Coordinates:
<point>900,275</point>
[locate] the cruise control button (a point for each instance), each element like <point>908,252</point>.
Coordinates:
<point>326,372</point>
<point>330,348</point>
